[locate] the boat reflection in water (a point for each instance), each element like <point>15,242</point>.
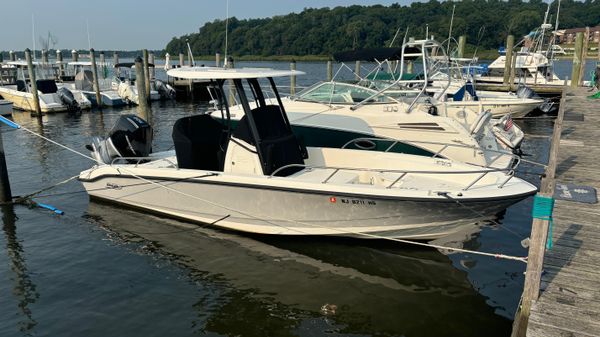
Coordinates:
<point>266,285</point>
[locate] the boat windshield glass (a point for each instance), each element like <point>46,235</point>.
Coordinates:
<point>340,93</point>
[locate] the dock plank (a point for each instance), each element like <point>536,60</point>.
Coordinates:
<point>569,303</point>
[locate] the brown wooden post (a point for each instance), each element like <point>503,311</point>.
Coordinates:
<point>230,64</point>
<point>586,38</point>
<point>143,106</point>
<point>462,41</point>
<point>218,59</point>
<point>510,42</point>
<point>293,78</point>
<point>74,55</point>
<point>181,61</point>
<point>329,71</point>
<point>44,56</point>
<point>115,58</point>
<point>36,100</point>
<point>95,78</point>
<point>539,233</point>
<point>146,75</point>
<point>12,56</point>
<point>357,70</point>
<point>103,64</point>
<point>152,69</point>
<point>575,74</point>
<point>59,60</point>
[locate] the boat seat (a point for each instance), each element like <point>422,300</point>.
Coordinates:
<point>21,86</point>
<point>199,143</point>
<point>46,86</point>
<point>278,145</point>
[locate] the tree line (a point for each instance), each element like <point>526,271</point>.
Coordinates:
<point>323,31</point>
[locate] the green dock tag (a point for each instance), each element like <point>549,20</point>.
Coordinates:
<point>542,209</point>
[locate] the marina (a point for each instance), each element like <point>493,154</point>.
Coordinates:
<point>405,189</point>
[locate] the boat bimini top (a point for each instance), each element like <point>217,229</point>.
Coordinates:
<point>262,142</point>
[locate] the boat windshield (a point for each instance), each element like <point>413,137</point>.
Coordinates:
<point>341,93</point>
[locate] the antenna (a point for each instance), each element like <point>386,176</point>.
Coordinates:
<point>450,30</point>
<point>87,25</point>
<point>557,14</point>
<point>226,29</point>
<point>33,33</point>
<point>395,35</point>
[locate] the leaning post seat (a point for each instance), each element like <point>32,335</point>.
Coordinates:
<point>199,143</point>
<point>277,144</point>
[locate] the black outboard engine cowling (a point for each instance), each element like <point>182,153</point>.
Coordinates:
<point>130,137</point>
<point>66,96</point>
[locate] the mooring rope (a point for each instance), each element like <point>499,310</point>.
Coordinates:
<point>357,233</point>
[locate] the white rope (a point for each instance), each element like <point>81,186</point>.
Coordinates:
<point>374,236</point>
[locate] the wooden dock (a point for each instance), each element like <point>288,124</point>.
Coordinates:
<point>569,302</point>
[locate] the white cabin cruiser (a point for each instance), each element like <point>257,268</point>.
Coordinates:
<point>51,97</point>
<point>258,177</point>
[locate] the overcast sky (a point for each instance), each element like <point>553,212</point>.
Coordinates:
<point>133,24</point>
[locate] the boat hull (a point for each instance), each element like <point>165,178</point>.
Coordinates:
<point>280,211</point>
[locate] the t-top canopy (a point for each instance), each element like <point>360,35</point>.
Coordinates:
<point>214,73</point>
<point>375,54</point>
<point>130,65</point>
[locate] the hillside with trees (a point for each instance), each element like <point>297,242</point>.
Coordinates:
<point>324,31</point>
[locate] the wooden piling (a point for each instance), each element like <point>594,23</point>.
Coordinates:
<point>293,78</point>
<point>218,59</point>
<point>143,106</point>
<point>462,41</point>
<point>36,100</point>
<point>230,64</point>
<point>74,55</point>
<point>586,38</point>
<point>146,75</point>
<point>95,78</point>
<point>577,60</point>
<point>181,61</point>
<point>5,192</point>
<point>103,64</point>
<point>61,67</point>
<point>152,69</point>
<point>539,233</point>
<point>12,56</point>
<point>329,71</point>
<point>357,70</point>
<point>115,58</point>
<point>508,58</point>
<point>44,56</point>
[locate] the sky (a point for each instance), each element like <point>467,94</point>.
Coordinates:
<point>133,24</point>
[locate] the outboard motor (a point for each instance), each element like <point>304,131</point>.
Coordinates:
<point>524,91</point>
<point>66,96</point>
<point>130,137</point>
<point>165,90</point>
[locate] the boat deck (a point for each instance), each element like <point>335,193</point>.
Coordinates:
<point>569,303</point>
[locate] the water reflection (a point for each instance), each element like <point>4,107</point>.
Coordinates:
<point>277,286</point>
<point>24,289</point>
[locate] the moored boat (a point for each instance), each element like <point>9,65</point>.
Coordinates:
<point>259,178</point>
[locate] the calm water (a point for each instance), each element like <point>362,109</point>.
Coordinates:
<point>100,270</point>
